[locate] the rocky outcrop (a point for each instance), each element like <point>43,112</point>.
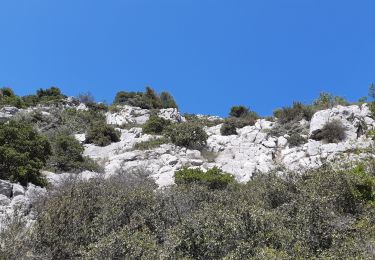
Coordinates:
<point>253,150</point>
<point>137,116</point>
<point>15,198</point>
<point>355,119</point>
<point>7,112</point>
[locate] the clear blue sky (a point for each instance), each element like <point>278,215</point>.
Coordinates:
<point>210,54</point>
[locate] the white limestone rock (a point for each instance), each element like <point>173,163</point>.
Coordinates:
<point>352,117</point>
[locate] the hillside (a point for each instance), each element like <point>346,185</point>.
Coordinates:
<point>300,184</point>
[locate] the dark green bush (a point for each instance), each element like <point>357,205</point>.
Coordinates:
<point>102,135</point>
<point>8,98</point>
<point>229,128</point>
<point>155,125</point>
<point>67,155</point>
<point>296,140</point>
<point>332,132</point>
<point>188,135</point>
<point>295,113</point>
<point>213,178</point>
<point>167,100</point>
<point>79,121</point>
<point>319,214</point>
<point>147,100</point>
<point>23,153</point>
<point>242,111</point>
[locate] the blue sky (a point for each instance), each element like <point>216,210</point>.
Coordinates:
<point>210,54</point>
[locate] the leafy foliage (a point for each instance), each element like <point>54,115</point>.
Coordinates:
<point>150,144</point>
<point>296,112</point>
<point>8,98</point>
<point>213,178</point>
<point>296,140</point>
<point>332,132</point>
<point>155,125</point>
<point>102,135</point>
<point>320,214</point>
<point>229,128</point>
<point>167,100</point>
<point>67,155</point>
<point>327,100</point>
<point>188,135</point>
<point>147,100</point>
<point>23,153</point>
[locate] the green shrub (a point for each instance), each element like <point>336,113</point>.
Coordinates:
<point>79,121</point>
<point>147,100</point>
<point>155,125</point>
<point>8,98</point>
<point>167,100</point>
<point>295,113</point>
<point>332,132</point>
<point>150,144</point>
<point>239,111</point>
<point>102,135</point>
<point>296,140</point>
<point>67,155</point>
<point>327,100</point>
<point>112,218</point>
<point>188,135</point>
<point>23,153</point>
<point>202,121</point>
<point>228,128</point>
<point>319,214</point>
<point>213,178</point>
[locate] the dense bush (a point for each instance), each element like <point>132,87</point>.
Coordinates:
<point>23,153</point>
<point>8,98</point>
<point>320,214</point>
<point>102,135</point>
<point>67,155</point>
<point>147,100</point>
<point>296,112</point>
<point>229,127</point>
<point>167,100</point>
<point>296,140</point>
<point>242,111</point>
<point>155,125</point>
<point>332,132</point>
<point>79,121</point>
<point>188,135</point>
<point>213,178</point>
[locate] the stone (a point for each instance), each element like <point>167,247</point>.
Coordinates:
<point>4,200</point>
<point>6,188</point>
<point>18,190</point>
<point>282,142</point>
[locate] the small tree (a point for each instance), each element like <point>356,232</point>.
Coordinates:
<point>155,125</point>
<point>102,135</point>
<point>371,91</point>
<point>188,135</point>
<point>167,100</point>
<point>23,153</point>
<point>239,111</point>
<point>228,128</point>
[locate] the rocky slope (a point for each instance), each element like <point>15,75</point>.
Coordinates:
<point>253,150</point>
